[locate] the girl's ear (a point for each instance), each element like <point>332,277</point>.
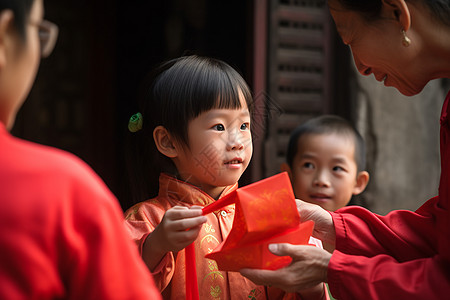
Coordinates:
<point>361,182</point>
<point>399,10</point>
<point>6,20</point>
<point>164,142</point>
<point>285,168</point>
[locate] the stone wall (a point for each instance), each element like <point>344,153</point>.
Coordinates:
<point>402,137</point>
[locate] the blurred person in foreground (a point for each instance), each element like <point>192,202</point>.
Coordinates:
<point>61,229</point>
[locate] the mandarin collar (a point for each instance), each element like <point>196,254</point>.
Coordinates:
<point>186,192</point>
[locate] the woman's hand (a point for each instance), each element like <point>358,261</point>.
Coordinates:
<point>323,222</point>
<point>179,227</point>
<point>307,270</point>
<point>318,292</point>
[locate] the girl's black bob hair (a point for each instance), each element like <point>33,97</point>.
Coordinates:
<point>183,88</point>
<point>176,92</point>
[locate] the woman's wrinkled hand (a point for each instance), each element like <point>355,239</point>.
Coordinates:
<point>323,222</point>
<point>307,270</point>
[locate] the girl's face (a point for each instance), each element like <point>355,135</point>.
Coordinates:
<point>324,170</point>
<point>22,61</point>
<point>377,49</point>
<point>220,149</point>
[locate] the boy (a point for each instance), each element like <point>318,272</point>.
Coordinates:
<point>325,161</point>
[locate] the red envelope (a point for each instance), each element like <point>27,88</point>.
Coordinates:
<point>265,213</point>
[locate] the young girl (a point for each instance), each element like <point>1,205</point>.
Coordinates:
<point>197,114</point>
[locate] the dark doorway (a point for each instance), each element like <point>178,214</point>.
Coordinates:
<point>86,90</point>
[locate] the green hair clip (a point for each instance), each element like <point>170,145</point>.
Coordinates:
<point>135,123</point>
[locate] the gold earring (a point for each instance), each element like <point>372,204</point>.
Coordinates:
<point>406,40</point>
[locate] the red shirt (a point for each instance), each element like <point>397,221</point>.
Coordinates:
<point>403,255</point>
<point>61,230</point>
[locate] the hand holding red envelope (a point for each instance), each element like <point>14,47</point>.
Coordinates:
<point>266,213</point>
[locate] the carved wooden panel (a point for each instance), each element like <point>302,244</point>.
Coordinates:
<point>299,71</point>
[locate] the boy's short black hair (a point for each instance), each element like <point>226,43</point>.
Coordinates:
<point>328,124</point>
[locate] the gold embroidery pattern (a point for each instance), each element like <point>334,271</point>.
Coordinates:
<point>267,197</point>
<point>214,274</point>
<point>253,294</point>
<point>212,265</point>
<point>209,228</point>
<point>132,214</point>
<point>209,238</point>
<point>216,291</point>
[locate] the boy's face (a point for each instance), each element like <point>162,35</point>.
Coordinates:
<point>220,149</point>
<point>324,170</point>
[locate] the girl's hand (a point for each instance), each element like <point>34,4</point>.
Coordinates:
<point>179,227</point>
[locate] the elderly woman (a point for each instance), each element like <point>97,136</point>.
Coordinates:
<point>403,255</point>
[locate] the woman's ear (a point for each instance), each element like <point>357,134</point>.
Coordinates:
<point>399,10</point>
<point>361,182</point>
<point>164,142</point>
<point>6,21</point>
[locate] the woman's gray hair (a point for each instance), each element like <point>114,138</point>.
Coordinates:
<point>372,8</point>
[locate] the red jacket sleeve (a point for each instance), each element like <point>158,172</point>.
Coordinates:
<point>405,235</point>
<point>383,277</point>
<point>398,256</point>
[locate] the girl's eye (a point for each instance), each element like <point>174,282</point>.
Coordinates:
<point>308,165</point>
<point>219,127</point>
<point>245,126</point>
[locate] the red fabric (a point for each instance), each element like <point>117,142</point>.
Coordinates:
<point>403,255</point>
<point>265,213</point>
<point>191,274</point>
<point>61,230</point>
<point>169,275</point>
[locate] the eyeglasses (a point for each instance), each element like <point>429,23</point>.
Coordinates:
<point>48,34</point>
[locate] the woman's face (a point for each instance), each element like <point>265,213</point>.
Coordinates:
<point>377,49</point>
